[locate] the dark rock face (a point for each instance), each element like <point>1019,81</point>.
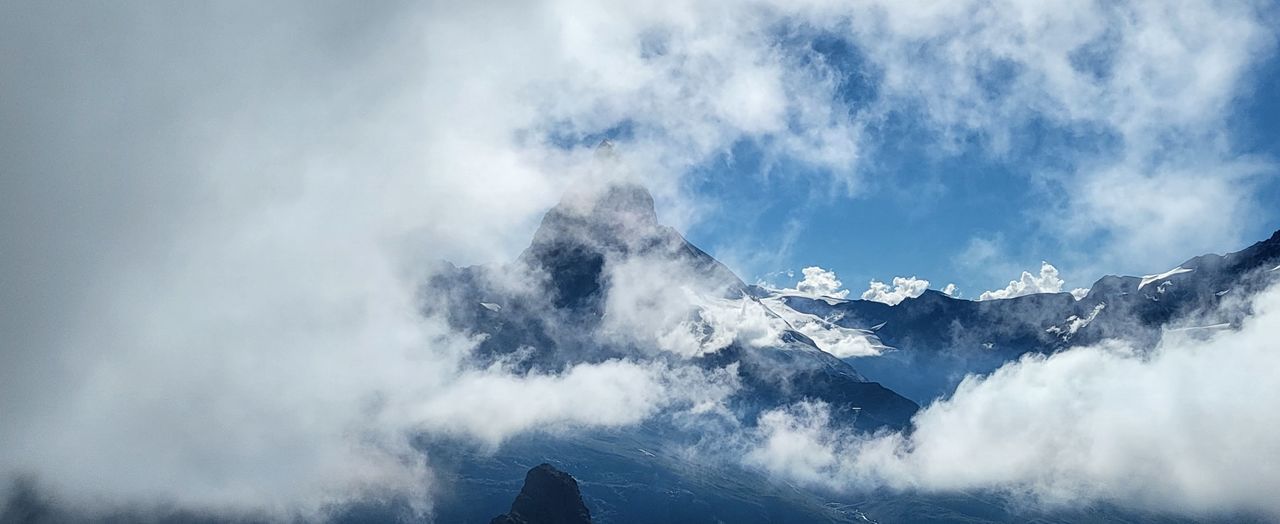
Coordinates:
<point>549,496</point>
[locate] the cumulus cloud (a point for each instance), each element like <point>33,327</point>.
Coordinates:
<point>951,290</point>
<point>1185,427</point>
<point>821,282</point>
<point>1047,282</point>
<point>902,289</point>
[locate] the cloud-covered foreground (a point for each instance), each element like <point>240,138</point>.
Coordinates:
<point>1188,427</point>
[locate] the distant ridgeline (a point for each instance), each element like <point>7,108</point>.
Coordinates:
<point>938,339</point>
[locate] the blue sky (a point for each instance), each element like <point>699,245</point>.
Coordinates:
<point>921,203</point>
<point>960,143</point>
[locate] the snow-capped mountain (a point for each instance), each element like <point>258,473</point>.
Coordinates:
<point>603,279</point>
<point>938,339</point>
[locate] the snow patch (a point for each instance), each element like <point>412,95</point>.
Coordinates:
<point>1074,323</point>
<point>843,342</point>
<point>1155,278</point>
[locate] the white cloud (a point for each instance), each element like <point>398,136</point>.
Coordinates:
<point>796,443</point>
<point>951,290</point>
<point>659,303</point>
<point>226,320</point>
<point>822,283</point>
<point>1164,211</point>
<point>1185,428</point>
<point>1155,78</point>
<point>493,405</point>
<point>1047,282</point>
<point>902,289</point>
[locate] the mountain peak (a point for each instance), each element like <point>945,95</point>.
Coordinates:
<point>616,202</point>
<point>606,150</point>
<point>612,217</point>
<point>609,221</point>
<point>589,224</point>
<point>549,496</point>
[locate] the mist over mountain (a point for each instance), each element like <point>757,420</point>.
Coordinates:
<point>576,277</point>
<point>566,260</point>
<point>756,379</point>
<point>602,280</point>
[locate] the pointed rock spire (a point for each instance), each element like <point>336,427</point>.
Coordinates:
<point>549,496</point>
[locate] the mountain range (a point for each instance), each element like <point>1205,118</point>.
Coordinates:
<point>938,339</point>
<point>555,306</point>
<point>603,279</point>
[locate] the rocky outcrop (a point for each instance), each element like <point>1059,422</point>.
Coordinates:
<point>549,496</point>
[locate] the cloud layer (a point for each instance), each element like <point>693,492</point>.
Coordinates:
<point>1185,427</point>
